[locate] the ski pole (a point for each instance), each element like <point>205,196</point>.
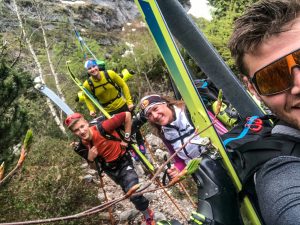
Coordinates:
<point>148,146</point>
<point>112,220</point>
<point>137,127</point>
<point>82,43</point>
<point>180,184</point>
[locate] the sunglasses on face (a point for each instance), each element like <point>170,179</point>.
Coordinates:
<point>276,77</point>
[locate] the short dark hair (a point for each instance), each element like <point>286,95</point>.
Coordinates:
<point>262,20</point>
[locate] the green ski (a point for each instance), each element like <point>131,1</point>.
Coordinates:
<point>207,58</point>
<point>143,159</point>
<point>184,82</point>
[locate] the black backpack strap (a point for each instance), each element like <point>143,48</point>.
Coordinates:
<point>106,134</point>
<point>180,137</point>
<point>252,155</point>
<point>110,101</point>
<point>109,80</point>
<point>275,142</point>
<point>265,150</point>
<point>91,84</point>
<point>81,150</point>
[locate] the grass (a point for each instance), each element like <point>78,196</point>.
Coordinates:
<point>48,185</point>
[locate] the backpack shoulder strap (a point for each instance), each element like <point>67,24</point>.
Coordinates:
<point>109,80</point>
<point>172,126</point>
<point>188,116</point>
<point>91,84</point>
<point>252,155</point>
<point>284,146</point>
<point>81,150</point>
<point>106,134</point>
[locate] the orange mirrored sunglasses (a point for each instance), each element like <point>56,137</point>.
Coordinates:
<point>276,77</point>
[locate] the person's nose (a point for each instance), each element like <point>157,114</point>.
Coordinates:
<point>154,115</point>
<point>296,85</point>
<point>82,130</point>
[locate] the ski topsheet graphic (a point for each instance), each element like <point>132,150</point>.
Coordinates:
<point>184,82</point>
<point>207,58</point>
<point>54,98</point>
<point>144,160</point>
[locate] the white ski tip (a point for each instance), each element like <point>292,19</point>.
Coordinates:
<point>37,80</point>
<point>38,86</point>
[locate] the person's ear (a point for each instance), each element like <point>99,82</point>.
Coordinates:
<point>250,87</point>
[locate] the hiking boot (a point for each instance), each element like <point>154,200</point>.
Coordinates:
<point>150,220</point>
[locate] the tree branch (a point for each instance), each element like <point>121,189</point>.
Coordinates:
<point>24,151</point>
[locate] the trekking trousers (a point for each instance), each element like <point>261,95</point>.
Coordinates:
<point>125,176</point>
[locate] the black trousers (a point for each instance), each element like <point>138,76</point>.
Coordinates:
<point>125,176</point>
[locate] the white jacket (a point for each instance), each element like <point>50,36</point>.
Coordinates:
<point>178,132</point>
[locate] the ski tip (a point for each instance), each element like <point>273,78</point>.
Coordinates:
<point>39,86</point>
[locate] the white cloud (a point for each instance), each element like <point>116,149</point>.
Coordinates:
<point>200,8</point>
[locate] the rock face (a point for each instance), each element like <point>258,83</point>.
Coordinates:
<point>104,15</point>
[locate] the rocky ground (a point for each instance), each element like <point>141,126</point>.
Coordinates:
<point>125,213</point>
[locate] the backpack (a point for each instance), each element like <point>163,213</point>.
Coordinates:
<point>249,152</point>
<point>240,137</point>
<point>109,81</point>
<point>208,91</point>
<point>98,122</point>
<point>209,94</point>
